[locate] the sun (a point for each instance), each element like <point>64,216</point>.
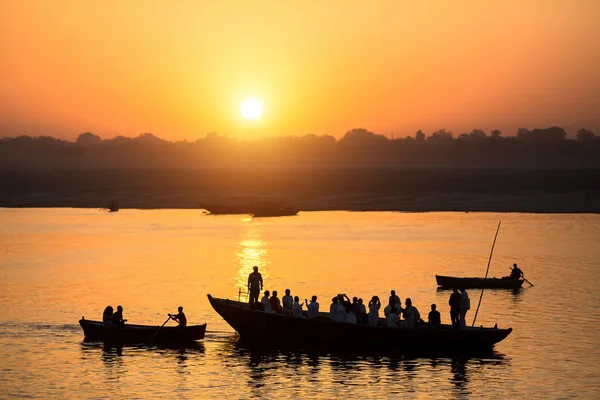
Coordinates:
<point>251,108</point>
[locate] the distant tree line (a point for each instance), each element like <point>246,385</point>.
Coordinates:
<point>548,147</point>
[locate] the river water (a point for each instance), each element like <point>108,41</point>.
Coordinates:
<point>57,265</point>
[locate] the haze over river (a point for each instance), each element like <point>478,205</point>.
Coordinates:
<point>57,265</point>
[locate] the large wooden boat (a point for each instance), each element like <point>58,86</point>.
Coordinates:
<point>449,282</point>
<point>137,334</point>
<point>262,328</point>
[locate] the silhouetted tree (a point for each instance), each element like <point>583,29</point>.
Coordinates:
<point>88,139</point>
<point>420,136</point>
<point>496,133</point>
<point>585,136</point>
<point>478,134</point>
<point>441,135</point>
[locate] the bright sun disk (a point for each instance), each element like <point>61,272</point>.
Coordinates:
<point>251,108</point>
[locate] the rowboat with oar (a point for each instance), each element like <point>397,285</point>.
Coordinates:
<point>267,328</point>
<point>449,282</point>
<point>136,334</point>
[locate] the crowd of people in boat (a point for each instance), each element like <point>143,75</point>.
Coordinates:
<point>354,311</point>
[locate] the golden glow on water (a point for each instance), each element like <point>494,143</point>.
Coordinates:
<point>59,264</point>
<point>252,252</point>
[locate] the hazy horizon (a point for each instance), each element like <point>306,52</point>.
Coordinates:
<point>181,71</point>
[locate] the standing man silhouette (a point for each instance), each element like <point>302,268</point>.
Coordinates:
<point>255,285</point>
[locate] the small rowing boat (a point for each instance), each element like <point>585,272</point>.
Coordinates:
<point>449,282</point>
<point>136,334</point>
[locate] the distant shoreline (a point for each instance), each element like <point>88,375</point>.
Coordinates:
<point>415,190</point>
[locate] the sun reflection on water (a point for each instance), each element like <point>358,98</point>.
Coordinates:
<point>252,251</point>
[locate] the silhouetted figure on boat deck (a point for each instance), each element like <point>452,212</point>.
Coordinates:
<point>287,301</point>
<point>374,306</point>
<point>355,306</point>
<point>313,307</point>
<point>349,315</point>
<point>454,304</point>
<point>516,273</point>
<point>255,285</point>
<point>465,305</point>
<point>361,313</point>
<point>334,314</point>
<point>275,302</point>
<point>411,315</point>
<point>118,317</point>
<point>395,301</point>
<point>343,302</point>
<point>435,319</point>
<point>266,302</point>
<point>107,316</point>
<point>180,317</point>
<point>297,308</point>
<point>392,316</point>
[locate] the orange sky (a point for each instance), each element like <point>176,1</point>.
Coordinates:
<point>180,69</point>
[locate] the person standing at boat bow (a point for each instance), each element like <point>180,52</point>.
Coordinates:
<point>255,285</point>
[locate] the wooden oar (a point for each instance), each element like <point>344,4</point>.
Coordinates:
<point>527,281</point>
<point>523,276</point>
<point>158,330</point>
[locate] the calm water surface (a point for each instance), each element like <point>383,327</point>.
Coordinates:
<point>57,265</point>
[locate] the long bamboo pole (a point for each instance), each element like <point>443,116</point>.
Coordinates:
<point>486,272</point>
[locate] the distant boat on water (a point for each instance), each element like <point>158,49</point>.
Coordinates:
<point>113,206</point>
<point>257,210</point>
<point>449,282</point>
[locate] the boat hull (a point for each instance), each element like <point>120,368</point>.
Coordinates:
<point>449,282</point>
<point>262,328</point>
<point>139,334</point>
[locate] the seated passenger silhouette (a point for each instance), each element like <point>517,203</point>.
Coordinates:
<point>434,320</point>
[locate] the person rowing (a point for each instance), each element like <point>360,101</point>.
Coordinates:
<point>180,317</point>
<point>516,273</point>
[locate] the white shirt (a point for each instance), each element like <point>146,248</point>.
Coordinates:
<point>374,314</point>
<point>297,309</point>
<point>412,316</point>
<point>313,309</point>
<point>333,311</point>
<point>350,318</point>
<point>341,313</point>
<point>287,301</point>
<point>392,319</point>
<point>266,304</point>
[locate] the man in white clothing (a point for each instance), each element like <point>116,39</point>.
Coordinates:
<point>266,303</point>
<point>297,308</point>
<point>411,315</point>
<point>313,307</point>
<point>392,317</point>
<point>287,302</point>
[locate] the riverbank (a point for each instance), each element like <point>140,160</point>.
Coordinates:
<point>365,189</point>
